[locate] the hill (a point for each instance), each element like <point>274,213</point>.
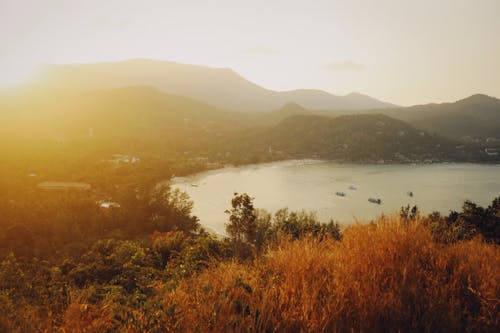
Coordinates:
<point>360,138</point>
<point>221,87</point>
<point>475,116</point>
<point>472,119</point>
<point>127,112</point>
<point>143,116</point>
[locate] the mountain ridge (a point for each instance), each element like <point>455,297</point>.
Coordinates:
<point>221,87</point>
<point>470,118</point>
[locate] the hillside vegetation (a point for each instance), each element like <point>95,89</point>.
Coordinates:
<point>472,119</point>
<point>69,264</point>
<point>143,120</point>
<point>395,274</point>
<point>360,138</point>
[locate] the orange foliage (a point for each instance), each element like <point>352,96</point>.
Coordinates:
<point>389,276</point>
<point>83,317</point>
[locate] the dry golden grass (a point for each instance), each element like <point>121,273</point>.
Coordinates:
<point>389,276</point>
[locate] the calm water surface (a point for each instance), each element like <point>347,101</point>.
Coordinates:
<point>311,185</point>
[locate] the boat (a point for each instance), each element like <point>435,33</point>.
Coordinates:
<point>377,201</point>
<point>340,194</point>
<point>410,193</point>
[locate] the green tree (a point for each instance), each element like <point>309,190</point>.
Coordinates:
<point>242,226</point>
<point>120,263</point>
<point>295,225</point>
<point>171,210</point>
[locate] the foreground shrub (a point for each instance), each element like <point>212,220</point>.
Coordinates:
<point>471,222</point>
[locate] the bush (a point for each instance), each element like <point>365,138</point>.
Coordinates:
<point>471,222</point>
<point>389,276</point>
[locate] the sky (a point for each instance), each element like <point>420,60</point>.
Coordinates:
<point>401,51</point>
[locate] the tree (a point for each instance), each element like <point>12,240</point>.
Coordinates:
<point>115,262</point>
<point>264,230</point>
<point>242,227</point>
<point>296,225</point>
<point>171,210</point>
<point>472,221</point>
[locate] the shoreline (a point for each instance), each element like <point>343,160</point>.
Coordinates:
<point>181,179</point>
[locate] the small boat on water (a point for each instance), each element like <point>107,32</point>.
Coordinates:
<point>352,187</point>
<point>377,201</point>
<point>410,193</point>
<point>340,194</point>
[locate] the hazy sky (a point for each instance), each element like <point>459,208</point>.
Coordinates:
<point>405,52</point>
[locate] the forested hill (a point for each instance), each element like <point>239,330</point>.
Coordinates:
<point>142,116</point>
<point>475,116</point>
<point>472,119</point>
<point>360,138</point>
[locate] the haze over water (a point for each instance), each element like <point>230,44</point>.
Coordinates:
<point>311,185</point>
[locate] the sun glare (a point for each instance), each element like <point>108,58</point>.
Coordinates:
<point>17,75</point>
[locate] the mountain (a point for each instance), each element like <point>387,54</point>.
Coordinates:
<point>354,138</point>
<point>221,87</point>
<point>475,116</point>
<point>143,116</point>
<point>136,112</point>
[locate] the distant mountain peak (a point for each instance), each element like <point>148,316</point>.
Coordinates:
<point>354,94</point>
<point>478,99</point>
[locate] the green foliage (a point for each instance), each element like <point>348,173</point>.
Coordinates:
<point>196,255</point>
<point>33,288</point>
<point>263,228</point>
<point>250,229</point>
<point>242,227</point>
<point>296,225</point>
<point>472,221</point>
<point>367,138</point>
<point>42,223</point>
<point>113,262</point>
<point>166,246</point>
<point>171,210</point>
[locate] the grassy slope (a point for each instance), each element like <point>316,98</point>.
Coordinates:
<point>384,277</point>
<point>388,276</point>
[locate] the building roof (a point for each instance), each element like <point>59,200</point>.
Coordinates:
<point>63,186</point>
